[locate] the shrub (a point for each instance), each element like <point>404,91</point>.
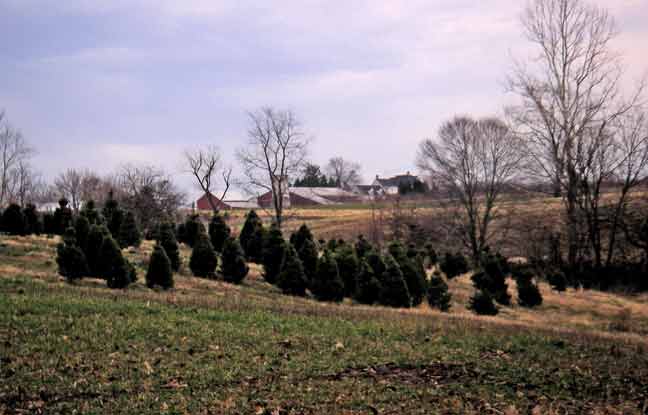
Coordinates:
<point>129,233</point>
<point>166,238</point>
<point>181,233</point>
<point>203,261</point>
<point>557,279</point>
<point>299,238</point>
<point>112,214</point>
<point>413,272</point>
<point>90,212</point>
<point>332,245</point>
<point>327,284</point>
<point>368,286</point>
<point>394,291</point>
<point>33,224</point>
<point>362,246</point>
<point>159,269</point>
<point>193,230</point>
<point>71,261</point>
<point>233,262</point>
<point>219,232</point>
<point>482,303</point>
<point>13,220</point>
<point>431,257</point>
<point>348,267</point>
<point>493,277</point>
<point>95,240</point>
<point>377,264</point>
<point>118,272</point>
<point>251,237</point>
<point>49,224</point>
<point>62,217</point>
<point>291,279</point>
<point>438,295</point>
<point>453,265</point>
<point>274,251</point>
<point>82,231</point>
<point>528,293</point>
<point>308,255</point>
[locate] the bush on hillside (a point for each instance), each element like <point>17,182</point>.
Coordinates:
<point>274,251</point>
<point>203,261</point>
<point>327,284</point>
<point>166,238</point>
<point>368,286</point>
<point>82,231</point>
<point>192,230</point>
<point>159,271</point>
<point>557,279</point>
<point>115,269</point>
<point>233,264</point>
<point>219,232</point>
<point>49,224</point>
<point>394,288</point>
<point>62,216</point>
<point>129,233</point>
<point>454,265</point>
<point>308,255</point>
<point>33,224</point>
<point>95,239</point>
<point>438,295</point>
<point>348,266</point>
<point>528,292</point>
<point>362,246</point>
<point>292,279</point>
<point>13,220</point>
<point>90,212</point>
<point>413,272</point>
<point>112,214</point>
<point>431,257</point>
<point>303,234</point>
<point>252,237</point>
<point>482,303</point>
<point>70,259</point>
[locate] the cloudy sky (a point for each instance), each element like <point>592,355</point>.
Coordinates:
<point>95,83</point>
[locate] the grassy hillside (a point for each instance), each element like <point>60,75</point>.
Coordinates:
<point>210,347</point>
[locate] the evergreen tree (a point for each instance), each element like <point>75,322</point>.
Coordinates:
<point>453,265</point>
<point>166,238</point>
<point>528,293</point>
<point>129,233</point>
<point>299,238</point>
<point>368,286</point>
<point>70,259</point>
<point>82,230</point>
<point>13,220</point>
<point>274,252</point>
<point>219,232</point>
<point>493,278</point>
<point>394,288</point>
<point>203,261</point>
<point>482,303</point>
<point>332,244</point>
<point>291,279</point>
<point>49,224</point>
<point>327,284</point>
<point>377,264</point>
<point>252,236</point>
<point>308,255</point>
<point>438,295</point>
<point>233,262</point>
<point>159,269</point>
<point>348,267</point>
<point>193,230</point>
<point>115,269</point>
<point>181,233</point>
<point>95,239</point>
<point>62,216</point>
<point>413,272</point>
<point>431,257</point>
<point>557,279</point>
<point>362,247</point>
<point>90,212</point>
<point>33,224</point>
<point>112,214</point>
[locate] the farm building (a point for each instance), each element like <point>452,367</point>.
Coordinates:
<point>204,204</point>
<point>391,185</point>
<point>313,196</point>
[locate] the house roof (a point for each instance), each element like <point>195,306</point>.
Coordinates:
<point>241,204</point>
<point>396,181</point>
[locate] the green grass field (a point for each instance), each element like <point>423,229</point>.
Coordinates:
<point>209,347</point>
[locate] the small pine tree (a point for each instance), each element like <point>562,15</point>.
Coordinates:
<point>493,278</point>
<point>431,257</point>
<point>13,220</point>
<point>71,261</point>
<point>416,279</point>
<point>193,230</point>
<point>159,269</point>
<point>308,255</point>
<point>203,261</point>
<point>292,279</point>
<point>90,212</point>
<point>234,267</point>
<point>303,234</point>
<point>274,251</point>
<point>181,233</point>
<point>94,243</point>
<point>362,247</point>
<point>528,293</point>
<point>348,267</point>
<point>368,286</point>
<point>129,233</point>
<point>394,288</point>
<point>252,237</point>
<point>33,224</point>
<point>112,215</point>
<point>167,239</point>
<point>62,216</point>
<point>82,231</point>
<point>557,279</point>
<point>49,224</point>
<point>453,265</point>
<point>219,232</point>
<point>377,264</point>
<point>327,284</point>
<point>115,269</point>
<point>482,303</point>
<point>438,295</point>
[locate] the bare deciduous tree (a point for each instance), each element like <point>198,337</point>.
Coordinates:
<point>14,150</point>
<point>344,172</point>
<point>570,95</point>
<point>204,164</point>
<point>70,185</point>
<point>24,184</point>
<point>472,162</point>
<point>276,150</point>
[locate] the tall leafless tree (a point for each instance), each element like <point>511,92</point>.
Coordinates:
<point>344,172</point>
<point>276,149</point>
<point>69,184</point>
<point>205,165</point>
<point>570,95</point>
<point>14,150</point>
<point>473,162</point>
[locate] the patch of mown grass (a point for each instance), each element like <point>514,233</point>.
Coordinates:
<point>62,351</point>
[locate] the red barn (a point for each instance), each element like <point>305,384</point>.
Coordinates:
<point>204,204</point>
